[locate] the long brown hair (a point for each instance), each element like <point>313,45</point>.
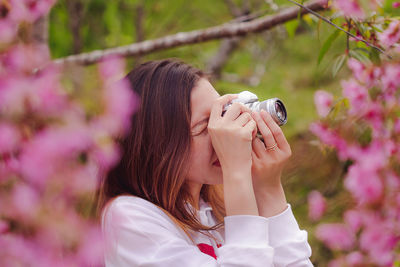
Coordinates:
<point>155,152</point>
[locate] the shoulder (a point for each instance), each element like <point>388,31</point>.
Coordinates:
<point>136,214</point>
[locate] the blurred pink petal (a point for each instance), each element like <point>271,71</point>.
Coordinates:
<point>120,100</point>
<point>353,219</point>
<point>323,101</point>
<point>365,184</point>
<point>50,148</point>
<point>355,258</point>
<point>396,126</point>
<point>316,205</point>
<point>331,138</point>
<point>357,94</point>
<point>29,10</point>
<point>336,236</point>
<point>25,58</point>
<point>26,201</point>
<point>4,227</point>
<point>391,78</point>
<point>391,35</point>
<point>350,8</point>
<point>8,31</point>
<point>396,4</point>
<point>91,250</point>
<point>379,242</point>
<point>9,138</point>
<point>366,74</point>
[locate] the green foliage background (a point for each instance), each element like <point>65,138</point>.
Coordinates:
<point>292,73</point>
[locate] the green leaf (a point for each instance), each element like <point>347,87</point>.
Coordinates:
<point>338,64</point>
<point>359,55</point>
<point>374,55</point>
<point>327,44</point>
<point>291,27</point>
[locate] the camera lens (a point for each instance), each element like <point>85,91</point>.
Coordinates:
<point>280,110</point>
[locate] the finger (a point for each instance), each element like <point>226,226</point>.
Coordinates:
<point>258,147</point>
<point>235,110</point>
<point>266,133</point>
<point>243,119</point>
<point>218,105</point>
<point>250,126</point>
<point>275,130</point>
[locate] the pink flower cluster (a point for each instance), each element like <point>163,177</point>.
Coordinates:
<point>357,9</point>
<point>53,150</point>
<point>366,134</point>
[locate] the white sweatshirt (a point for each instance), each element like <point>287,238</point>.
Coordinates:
<point>138,233</point>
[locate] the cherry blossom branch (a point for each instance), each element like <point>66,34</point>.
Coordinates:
<point>340,28</point>
<point>184,38</point>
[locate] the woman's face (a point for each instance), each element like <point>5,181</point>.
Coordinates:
<point>204,165</point>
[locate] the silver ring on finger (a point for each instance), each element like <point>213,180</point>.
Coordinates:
<point>273,148</point>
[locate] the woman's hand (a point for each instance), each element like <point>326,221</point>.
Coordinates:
<point>232,134</point>
<point>268,162</point>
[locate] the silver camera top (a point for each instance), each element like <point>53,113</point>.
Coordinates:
<point>274,106</point>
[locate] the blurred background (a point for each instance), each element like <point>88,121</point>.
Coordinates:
<point>282,62</point>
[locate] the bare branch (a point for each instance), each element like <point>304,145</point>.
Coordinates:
<point>216,63</point>
<point>75,15</point>
<point>227,46</point>
<point>197,36</point>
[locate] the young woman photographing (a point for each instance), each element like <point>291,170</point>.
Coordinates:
<point>195,187</point>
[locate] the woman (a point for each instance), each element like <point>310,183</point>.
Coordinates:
<point>195,188</point>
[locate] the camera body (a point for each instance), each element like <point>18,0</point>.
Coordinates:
<point>274,106</point>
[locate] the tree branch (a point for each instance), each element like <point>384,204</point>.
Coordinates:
<point>197,36</point>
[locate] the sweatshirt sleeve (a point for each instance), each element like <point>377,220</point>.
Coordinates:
<point>139,236</point>
<point>289,242</point>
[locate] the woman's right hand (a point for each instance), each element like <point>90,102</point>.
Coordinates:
<point>232,134</point>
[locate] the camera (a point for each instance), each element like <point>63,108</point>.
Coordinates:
<point>274,106</point>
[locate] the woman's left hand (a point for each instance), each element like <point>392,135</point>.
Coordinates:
<point>268,158</point>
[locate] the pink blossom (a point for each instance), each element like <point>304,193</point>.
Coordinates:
<point>91,249</point>
<point>391,78</point>
<point>4,227</point>
<point>396,126</point>
<point>323,101</point>
<point>43,154</point>
<point>365,74</point>
<point>106,154</point>
<point>336,236</point>
<point>25,58</point>
<point>357,68</point>
<point>331,138</point>
<point>373,157</point>
<point>379,242</point>
<point>396,4</point>
<point>8,31</point>
<point>350,8</point>
<point>391,35</point>
<point>365,184</point>
<point>29,10</point>
<point>25,201</point>
<point>9,166</point>
<point>316,205</point>
<point>355,258</point>
<point>9,137</point>
<point>47,97</point>
<point>357,94</point>
<point>120,100</point>
<point>353,219</point>
<point>14,93</point>
<point>374,115</point>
